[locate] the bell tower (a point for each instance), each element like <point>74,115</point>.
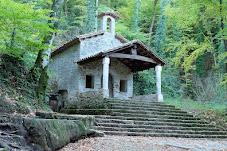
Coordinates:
<point>108,21</point>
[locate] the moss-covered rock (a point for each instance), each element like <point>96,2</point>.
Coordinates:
<point>52,134</point>
<point>88,111</point>
<point>13,134</point>
<point>33,133</point>
<point>88,120</point>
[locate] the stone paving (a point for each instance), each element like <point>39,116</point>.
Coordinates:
<point>129,143</point>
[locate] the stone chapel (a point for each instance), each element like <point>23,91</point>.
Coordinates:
<point>102,64</point>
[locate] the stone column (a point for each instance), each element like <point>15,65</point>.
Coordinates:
<point>105,62</point>
<point>158,70</point>
<point>112,26</point>
<point>104,23</point>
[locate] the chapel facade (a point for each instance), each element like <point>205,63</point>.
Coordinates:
<point>102,64</point>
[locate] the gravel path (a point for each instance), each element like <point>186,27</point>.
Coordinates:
<point>128,143</point>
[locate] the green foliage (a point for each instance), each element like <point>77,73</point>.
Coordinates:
<point>190,105</point>
<point>160,36</point>
<point>144,83</point>
<point>211,112</point>
<point>73,14</point>
<point>192,39</point>
<point>136,15</point>
<point>200,29</point>
<point>91,18</point>
<point>22,28</point>
<point>17,92</point>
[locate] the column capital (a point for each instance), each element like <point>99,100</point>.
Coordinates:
<point>106,60</point>
<point>158,67</point>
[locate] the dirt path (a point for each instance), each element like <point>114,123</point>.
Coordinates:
<point>126,143</point>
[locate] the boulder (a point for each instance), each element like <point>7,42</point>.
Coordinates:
<point>53,134</point>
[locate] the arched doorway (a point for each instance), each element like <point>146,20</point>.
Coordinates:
<point>110,85</point>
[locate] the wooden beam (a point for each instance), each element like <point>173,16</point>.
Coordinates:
<point>135,57</point>
<point>133,51</point>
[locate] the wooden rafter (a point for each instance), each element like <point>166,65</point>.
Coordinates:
<point>132,56</point>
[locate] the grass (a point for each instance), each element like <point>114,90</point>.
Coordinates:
<point>212,112</point>
<point>190,105</point>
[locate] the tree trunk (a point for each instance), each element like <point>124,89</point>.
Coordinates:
<point>39,70</point>
<point>13,38</point>
<point>222,28</point>
<point>152,21</point>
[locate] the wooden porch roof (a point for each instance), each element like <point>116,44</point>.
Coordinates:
<point>141,59</point>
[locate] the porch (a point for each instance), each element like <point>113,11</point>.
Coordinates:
<point>135,56</point>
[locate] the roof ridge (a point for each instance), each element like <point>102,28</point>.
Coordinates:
<point>89,35</point>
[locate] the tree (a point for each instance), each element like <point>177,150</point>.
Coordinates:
<point>136,16</point>
<point>39,71</point>
<point>160,35</point>
<point>91,19</point>
<point>22,28</point>
<point>152,21</point>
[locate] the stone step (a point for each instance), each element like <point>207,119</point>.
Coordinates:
<point>158,126</point>
<point>121,111</point>
<point>156,119</point>
<point>125,121</point>
<point>136,102</point>
<point>163,134</point>
<point>147,108</point>
<point>145,112</point>
<point>142,105</point>
<point>153,115</point>
<point>160,130</point>
<point>147,118</point>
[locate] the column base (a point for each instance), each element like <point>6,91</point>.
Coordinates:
<point>106,93</point>
<point>159,97</point>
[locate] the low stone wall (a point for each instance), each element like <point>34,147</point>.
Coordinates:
<point>90,95</point>
<point>87,100</point>
<point>149,97</point>
<point>53,134</point>
<point>47,132</point>
<point>87,120</point>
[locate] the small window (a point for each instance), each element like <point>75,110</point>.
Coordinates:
<point>89,81</point>
<point>123,85</point>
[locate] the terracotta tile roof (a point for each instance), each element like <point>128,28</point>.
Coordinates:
<point>122,47</point>
<point>78,39</point>
<point>112,14</point>
<point>74,41</point>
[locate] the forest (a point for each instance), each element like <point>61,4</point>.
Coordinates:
<point>190,35</point>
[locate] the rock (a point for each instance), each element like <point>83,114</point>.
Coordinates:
<point>53,134</point>
<point>88,120</point>
<point>26,133</point>
<point>12,134</point>
<point>96,133</point>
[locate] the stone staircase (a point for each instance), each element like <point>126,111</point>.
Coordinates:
<point>153,119</point>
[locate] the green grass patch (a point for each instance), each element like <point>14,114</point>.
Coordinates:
<point>190,105</point>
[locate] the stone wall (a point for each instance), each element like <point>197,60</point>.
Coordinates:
<point>118,71</point>
<point>71,77</point>
<point>91,46</point>
<point>64,71</point>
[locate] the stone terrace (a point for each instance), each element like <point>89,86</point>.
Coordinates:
<point>154,119</point>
